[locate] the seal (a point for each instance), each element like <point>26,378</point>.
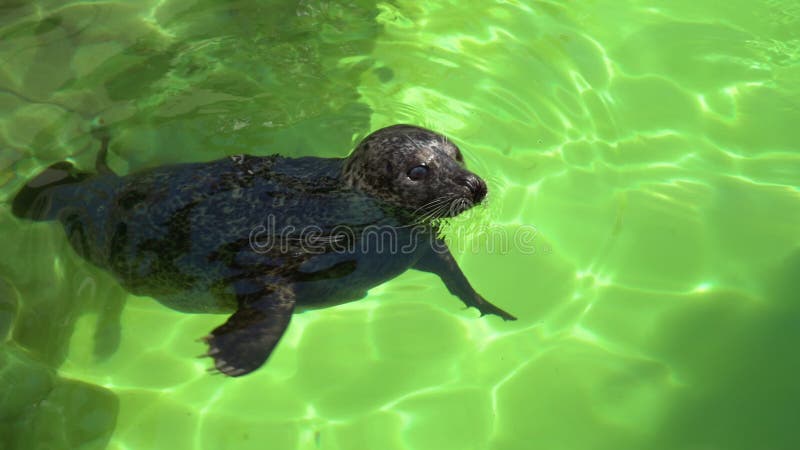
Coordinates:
<point>262,236</point>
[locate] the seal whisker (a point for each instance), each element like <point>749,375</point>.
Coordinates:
<point>423,219</point>
<point>435,207</point>
<point>424,209</point>
<point>458,205</point>
<point>453,207</point>
<point>432,202</point>
<point>435,212</point>
<point>415,143</point>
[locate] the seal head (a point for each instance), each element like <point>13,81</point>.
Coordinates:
<point>415,170</point>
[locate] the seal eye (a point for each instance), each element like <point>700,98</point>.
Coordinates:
<point>417,173</point>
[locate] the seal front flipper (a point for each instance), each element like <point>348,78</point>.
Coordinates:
<point>440,261</point>
<point>243,343</point>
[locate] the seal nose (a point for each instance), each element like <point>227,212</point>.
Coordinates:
<point>478,188</point>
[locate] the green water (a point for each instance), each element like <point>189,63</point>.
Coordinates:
<point>652,144</point>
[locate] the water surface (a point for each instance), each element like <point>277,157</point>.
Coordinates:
<point>652,145</point>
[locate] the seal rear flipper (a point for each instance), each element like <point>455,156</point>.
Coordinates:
<point>440,261</point>
<point>244,342</point>
<point>35,200</point>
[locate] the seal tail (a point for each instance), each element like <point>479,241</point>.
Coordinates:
<point>37,199</point>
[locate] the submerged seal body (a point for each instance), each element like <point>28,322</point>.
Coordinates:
<point>258,236</point>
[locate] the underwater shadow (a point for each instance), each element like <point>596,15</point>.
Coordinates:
<point>743,393</point>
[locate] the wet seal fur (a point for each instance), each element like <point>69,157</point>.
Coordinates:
<point>227,235</point>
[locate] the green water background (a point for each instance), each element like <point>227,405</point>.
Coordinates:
<point>652,144</point>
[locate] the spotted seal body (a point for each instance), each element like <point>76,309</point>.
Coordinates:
<point>258,236</point>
